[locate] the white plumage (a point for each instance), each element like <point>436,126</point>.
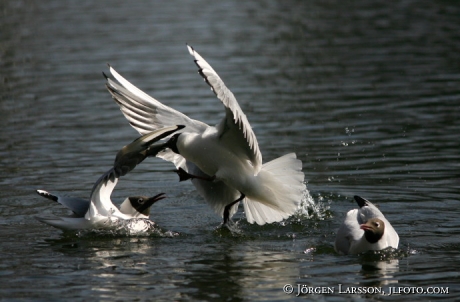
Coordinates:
<point>99,212</point>
<point>351,237</point>
<point>227,153</point>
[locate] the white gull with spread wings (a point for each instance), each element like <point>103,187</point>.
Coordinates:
<point>223,161</point>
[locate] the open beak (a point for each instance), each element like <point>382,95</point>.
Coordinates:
<point>365,227</point>
<point>149,202</point>
<point>155,198</point>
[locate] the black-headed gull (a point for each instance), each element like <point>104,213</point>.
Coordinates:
<point>224,162</point>
<point>99,212</point>
<point>365,229</point>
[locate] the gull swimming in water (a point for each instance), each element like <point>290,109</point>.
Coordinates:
<point>365,229</point>
<point>224,161</point>
<point>99,212</point>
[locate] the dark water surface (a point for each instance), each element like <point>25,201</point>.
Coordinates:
<point>367,94</point>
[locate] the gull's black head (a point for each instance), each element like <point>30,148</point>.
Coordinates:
<point>373,229</point>
<point>143,203</point>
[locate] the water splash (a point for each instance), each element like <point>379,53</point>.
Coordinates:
<point>309,250</point>
<point>230,229</point>
<point>388,253</point>
<point>310,209</point>
<point>129,228</point>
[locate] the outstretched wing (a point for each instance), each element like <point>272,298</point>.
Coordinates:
<point>133,154</point>
<point>126,160</point>
<point>146,114</point>
<point>234,130</point>
<point>101,204</point>
<point>78,205</point>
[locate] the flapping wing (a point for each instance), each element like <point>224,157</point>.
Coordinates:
<point>78,205</point>
<point>126,160</point>
<point>146,114</point>
<point>133,154</point>
<point>101,204</point>
<point>234,130</point>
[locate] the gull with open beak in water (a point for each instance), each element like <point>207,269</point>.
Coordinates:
<point>365,229</point>
<point>224,161</point>
<point>99,212</point>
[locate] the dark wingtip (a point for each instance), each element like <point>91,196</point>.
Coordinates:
<point>180,127</point>
<point>46,194</point>
<point>105,76</point>
<point>190,49</point>
<point>361,201</point>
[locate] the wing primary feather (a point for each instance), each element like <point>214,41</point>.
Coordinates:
<point>234,113</point>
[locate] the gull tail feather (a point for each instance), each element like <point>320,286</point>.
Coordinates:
<point>283,185</point>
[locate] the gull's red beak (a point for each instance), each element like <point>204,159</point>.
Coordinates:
<point>364,227</point>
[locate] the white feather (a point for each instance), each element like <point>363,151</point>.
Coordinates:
<point>229,151</point>
<point>99,212</point>
<point>350,237</point>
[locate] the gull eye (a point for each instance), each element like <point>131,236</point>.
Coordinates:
<point>140,201</point>
<point>376,224</point>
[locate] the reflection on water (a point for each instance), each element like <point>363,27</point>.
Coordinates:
<point>238,272</point>
<point>379,273</point>
<point>379,268</point>
<point>366,94</point>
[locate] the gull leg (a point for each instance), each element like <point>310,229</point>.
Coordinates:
<point>229,206</point>
<point>183,175</point>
